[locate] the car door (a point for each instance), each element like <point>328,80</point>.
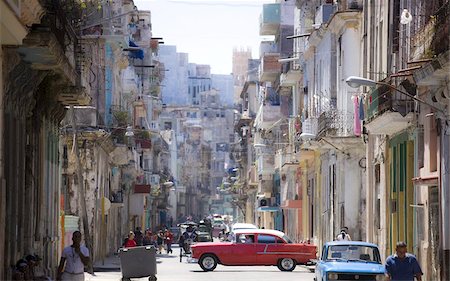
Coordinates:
<point>320,266</point>
<point>243,251</point>
<point>266,249</point>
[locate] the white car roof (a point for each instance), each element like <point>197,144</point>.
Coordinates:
<point>243,226</point>
<point>259,231</point>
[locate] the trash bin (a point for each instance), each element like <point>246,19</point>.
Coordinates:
<point>138,262</point>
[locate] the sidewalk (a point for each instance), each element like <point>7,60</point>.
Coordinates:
<point>110,263</point>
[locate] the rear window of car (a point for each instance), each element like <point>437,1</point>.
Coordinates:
<point>266,239</point>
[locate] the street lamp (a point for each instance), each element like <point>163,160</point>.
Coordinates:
<point>355,82</point>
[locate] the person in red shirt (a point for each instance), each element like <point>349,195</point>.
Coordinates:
<point>169,240</point>
<point>130,243</point>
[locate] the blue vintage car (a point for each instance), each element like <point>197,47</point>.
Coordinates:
<point>349,260</point>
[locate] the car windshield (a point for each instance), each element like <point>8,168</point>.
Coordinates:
<point>349,253</point>
<point>287,239</point>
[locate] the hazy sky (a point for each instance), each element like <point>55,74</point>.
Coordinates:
<point>207,29</point>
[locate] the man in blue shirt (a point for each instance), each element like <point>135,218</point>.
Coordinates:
<point>402,266</point>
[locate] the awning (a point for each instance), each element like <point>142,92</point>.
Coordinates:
<point>135,54</point>
<point>268,209</point>
<point>292,204</point>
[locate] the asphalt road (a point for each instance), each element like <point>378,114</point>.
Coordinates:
<point>170,269</point>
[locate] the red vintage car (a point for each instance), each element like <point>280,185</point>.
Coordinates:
<point>254,247</point>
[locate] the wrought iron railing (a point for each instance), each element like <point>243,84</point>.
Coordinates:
<point>64,18</point>
<point>335,123</point>
<point>384,99</point>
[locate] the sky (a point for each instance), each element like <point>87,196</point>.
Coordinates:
<point>207,29</point>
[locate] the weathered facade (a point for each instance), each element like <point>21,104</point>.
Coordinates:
<point>41,74</point>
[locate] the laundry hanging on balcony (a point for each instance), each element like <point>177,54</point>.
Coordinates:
<point>135,54</point>
<point>357,121</point>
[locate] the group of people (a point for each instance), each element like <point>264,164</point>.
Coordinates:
<point>162,239</point>
<point>28,268</point>
<point>400,266</point>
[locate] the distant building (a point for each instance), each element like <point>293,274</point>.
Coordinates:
<point>175,83</point>
<point>199,76</point>
<point>240,69</point>
<point>224,84</point>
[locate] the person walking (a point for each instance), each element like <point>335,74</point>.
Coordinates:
<point>402,266</point>
<point>160,241</point>
<point>138,236</point>
<point>343,235</point>
<point>148,238</point>
<point>169,240</point>
<point>73,260</point>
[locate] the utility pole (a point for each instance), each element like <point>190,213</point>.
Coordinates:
<point>87,236</point>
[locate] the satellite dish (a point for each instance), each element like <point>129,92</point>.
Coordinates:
<point>406,17</point>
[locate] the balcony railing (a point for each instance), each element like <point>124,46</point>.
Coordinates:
<point>270,19</point>
<point>335,123</point>
<point>440,41</point>
<point>383,99</point>
<point>310,126</point>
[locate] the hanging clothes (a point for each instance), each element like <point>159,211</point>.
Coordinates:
<point>361,108</point>
<point>356,120</point>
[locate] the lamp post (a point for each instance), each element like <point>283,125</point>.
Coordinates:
<point>356,82</point>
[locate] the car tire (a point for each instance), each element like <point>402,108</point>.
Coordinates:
<point>286,264</point>
<point>208,262</point>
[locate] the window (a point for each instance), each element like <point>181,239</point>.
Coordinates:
<point>266,239</point>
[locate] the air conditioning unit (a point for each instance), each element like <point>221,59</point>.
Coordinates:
<point>264,202</point>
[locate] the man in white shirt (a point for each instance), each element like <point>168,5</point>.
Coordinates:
<point>73,260</point>
<point>343,236</point>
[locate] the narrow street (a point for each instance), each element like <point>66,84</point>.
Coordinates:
<point>170,269</point>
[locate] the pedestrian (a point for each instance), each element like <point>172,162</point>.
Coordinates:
<point>148,238</point>
<point>130,242</point>
<point>138,236</point>
<point>343,235</point>
<point>402,265</point>
<point>21,270</point>
<point>73,260</point>
<point>160,241</point>
<point>169,239</point>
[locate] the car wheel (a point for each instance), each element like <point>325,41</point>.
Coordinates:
<point>208,262</point>
<point>286,264</point>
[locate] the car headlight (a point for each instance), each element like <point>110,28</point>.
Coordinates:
<point>380,277</point>
<point>333,276</point>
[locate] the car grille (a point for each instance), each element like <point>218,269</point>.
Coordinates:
<point>346,276</point>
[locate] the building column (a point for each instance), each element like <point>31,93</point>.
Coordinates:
<point>2,180</point>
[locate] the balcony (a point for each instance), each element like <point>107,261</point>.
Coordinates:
<point>266,164</point>
<point>269,22</point>
<point>269,68</point>
<point>388,112</point>
<point>54,46</point>
<point>324,13</point>
<point>335,123</point>
<point>290,75</point>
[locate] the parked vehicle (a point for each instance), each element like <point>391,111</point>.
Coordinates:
<point>349,260</point>
<point>239,226</point>
<point>203,233</point>
<point>254,247</point>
